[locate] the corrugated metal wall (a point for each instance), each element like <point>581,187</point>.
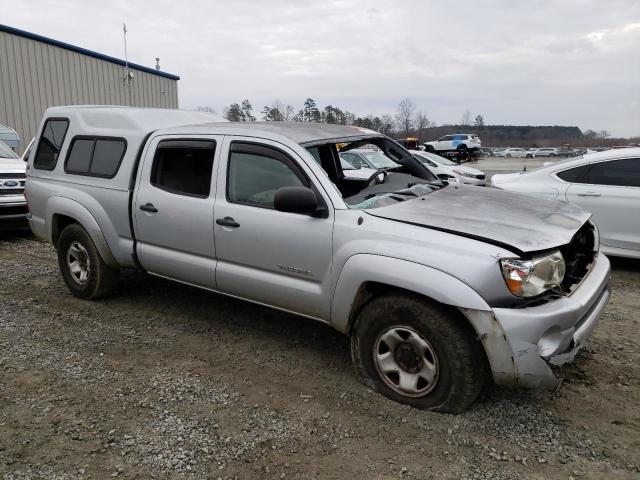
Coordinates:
<point>35,76</point>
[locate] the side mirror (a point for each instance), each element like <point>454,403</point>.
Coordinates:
<point>296,200</point>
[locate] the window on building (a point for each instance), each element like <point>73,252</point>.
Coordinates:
<point>184,167</point>
<point>50,144</point>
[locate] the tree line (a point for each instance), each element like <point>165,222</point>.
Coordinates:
<point>409,121</point>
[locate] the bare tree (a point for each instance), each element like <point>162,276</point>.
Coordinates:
<point>479,121</point>
<point>422,123</point>
<point>386,124</point>
<point>405,115</point>
<point>604,134</point>
<point>466,118</point>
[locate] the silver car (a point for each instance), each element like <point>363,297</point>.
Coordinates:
<point>441,288</point>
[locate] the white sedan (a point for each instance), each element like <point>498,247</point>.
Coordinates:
<point>351,171</point>
<point>606,183</point>
<point>443,167</point>
<point>515,153</point>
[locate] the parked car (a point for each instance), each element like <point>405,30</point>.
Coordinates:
<point>446,169</point>
<point>515,152</point>
<point>547,152</point>
<point>607,184</point>
<point>371,159</point>
<point>459,142</point>
<point>13,206</point>
<point>436,285</point>
<point>355,172</point>
<point>486,152</point>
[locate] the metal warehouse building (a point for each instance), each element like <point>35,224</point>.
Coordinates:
<point>37,72</point>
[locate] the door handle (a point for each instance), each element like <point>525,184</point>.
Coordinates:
<point>589,194</point>
<point>148,207</point>
<point>227,222</point>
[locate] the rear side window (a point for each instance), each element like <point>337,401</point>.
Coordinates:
<point>95,156</point>
<point>574,175</point>
<point>50,143</point>
<point>184,167</point>
<point>622,173</point>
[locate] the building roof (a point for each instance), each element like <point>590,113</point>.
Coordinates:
<point>84,51</point>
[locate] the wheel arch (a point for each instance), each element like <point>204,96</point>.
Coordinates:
<point>62,212</point>
<point>365,276</point>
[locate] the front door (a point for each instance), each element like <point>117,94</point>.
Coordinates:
<point>173,209</point>
<point>276,258</point>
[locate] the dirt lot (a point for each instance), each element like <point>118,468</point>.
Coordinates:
<point>167,381</point>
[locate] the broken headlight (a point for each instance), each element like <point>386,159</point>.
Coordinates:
<point>529,278</point>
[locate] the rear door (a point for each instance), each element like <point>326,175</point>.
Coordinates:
<point>277,258</point>
<point>610,190</point>
<point>173,208</point>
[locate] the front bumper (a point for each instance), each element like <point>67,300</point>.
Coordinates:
<point>13,216</point>
<point>523,344</point>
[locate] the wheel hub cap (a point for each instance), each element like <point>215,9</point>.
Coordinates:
<point>406,361</point>
<point>78,262</point>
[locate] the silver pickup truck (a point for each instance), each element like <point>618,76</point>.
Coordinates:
<point>441,288</point>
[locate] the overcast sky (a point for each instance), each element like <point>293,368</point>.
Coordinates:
<point>525,62</point>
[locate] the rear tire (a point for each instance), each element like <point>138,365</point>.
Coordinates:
<point>418,353</point>
<point>82,267</point>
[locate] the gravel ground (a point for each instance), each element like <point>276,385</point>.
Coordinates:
<point>166,381</point>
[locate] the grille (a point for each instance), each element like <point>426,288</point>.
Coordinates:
<point>578,255</point>
<point>12,175</point>
<point>17,210</point>
<point>11,191</point>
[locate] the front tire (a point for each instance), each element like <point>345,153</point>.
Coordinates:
<point>429,148</point>
<point>83,270</point>
<point>418,353</point>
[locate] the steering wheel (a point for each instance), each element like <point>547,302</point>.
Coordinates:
<point>375,177</point>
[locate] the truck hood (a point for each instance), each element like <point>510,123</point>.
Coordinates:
<point>518,222</point>
<point>12,165</point>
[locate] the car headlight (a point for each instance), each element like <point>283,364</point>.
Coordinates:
<point>529,278</point>
<point>464,174</point>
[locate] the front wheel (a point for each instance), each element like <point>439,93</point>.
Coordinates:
<point>83,270</point>
<point>418,353</point>
<point>429,148</point>
<point>508,155</point>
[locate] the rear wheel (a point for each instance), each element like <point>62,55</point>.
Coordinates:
<point>462,149</point>
<point>418,353</point>
<point>82,267</point>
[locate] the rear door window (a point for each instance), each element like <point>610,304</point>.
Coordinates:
<point>95,156</point>
<point>621,173</point>
<point>184,167</point>
<point>50,143</point>
<point>574,175</point>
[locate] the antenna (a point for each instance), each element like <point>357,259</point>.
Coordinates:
<point>157,63</point>
<point>126,58</point>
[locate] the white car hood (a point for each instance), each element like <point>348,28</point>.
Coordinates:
<point>499,178</point>
<point>464,168</point>
<point>12,165</point>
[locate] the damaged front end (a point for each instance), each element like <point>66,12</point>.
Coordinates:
<point>525,341</point>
